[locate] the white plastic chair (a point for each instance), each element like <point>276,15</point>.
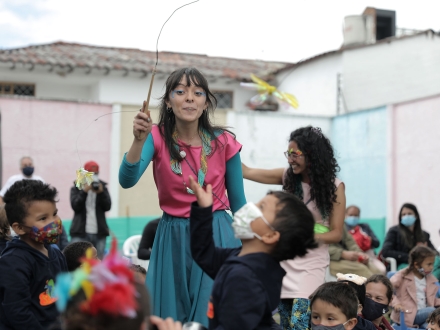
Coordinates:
<point>130,250</point>
<point>328,276</point>
<point>393,264</point>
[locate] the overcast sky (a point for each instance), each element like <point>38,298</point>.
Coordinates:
<point>276,30</point>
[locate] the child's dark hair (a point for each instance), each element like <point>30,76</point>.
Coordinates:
<point>22,193</point>
<point>74,252</point>
<point>138,269</point>
<point>379,278</point>
<point>5,231</point>
<point>295,224</point>
<point>76,319</point>
<point>321,168</point>
<point>434,317</point>
<point>338,294</point>
<point>417,255</point>
<point>360,290</point>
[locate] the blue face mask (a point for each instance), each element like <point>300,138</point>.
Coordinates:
<point>326,327</point>
<point>408,220</point>
<point>352,221</point>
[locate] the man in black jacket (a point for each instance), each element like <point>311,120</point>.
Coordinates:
<point>90,204</point>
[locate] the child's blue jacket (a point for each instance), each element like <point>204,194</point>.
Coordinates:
<point>27,279</point>
<point>246,288</point>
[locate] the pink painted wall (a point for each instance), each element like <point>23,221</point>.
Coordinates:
<point>416,161</point>
<point>47,131</point>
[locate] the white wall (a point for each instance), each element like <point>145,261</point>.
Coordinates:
<point>134,90</point>
<point>50,85</point>
<point>108,88</point>
<point>394,72</point>
<point>264,136</point>
<point>314,84</point>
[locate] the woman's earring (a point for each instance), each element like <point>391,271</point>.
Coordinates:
<point>169,110</point>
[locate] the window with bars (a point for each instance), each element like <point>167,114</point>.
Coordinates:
<point>17,89</point>
<point>224,99</point>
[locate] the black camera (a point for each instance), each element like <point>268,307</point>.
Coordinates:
<point>95,185</point>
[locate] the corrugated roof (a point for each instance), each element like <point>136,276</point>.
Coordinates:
<point>74,55</point>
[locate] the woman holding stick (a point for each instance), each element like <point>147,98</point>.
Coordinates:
<point>184,143</point>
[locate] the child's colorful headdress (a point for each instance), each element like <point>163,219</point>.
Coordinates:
<point>109,286</point>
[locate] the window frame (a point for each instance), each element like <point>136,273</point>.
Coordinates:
<point>225,92</point>
<point>12,84</point>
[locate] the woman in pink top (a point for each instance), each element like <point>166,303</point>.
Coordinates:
<point>311,176</point>
<point>184,143</point>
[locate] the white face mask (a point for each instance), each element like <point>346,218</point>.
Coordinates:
<point>242,221</point>
<point>13,233</point>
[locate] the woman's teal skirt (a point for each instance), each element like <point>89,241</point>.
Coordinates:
<point>177,286</point>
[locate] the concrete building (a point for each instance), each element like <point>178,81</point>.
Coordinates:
<point>377,97</point>
<point>114,79</point>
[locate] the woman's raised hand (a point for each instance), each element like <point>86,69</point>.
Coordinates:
<point>142,124</point>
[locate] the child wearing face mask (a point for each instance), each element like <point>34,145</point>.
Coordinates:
<point>415,289</point>
<point>358,284</point>
<point>379,294</point>
<point>248,279</point>
<point>29,265</point>
<point>334,306</point>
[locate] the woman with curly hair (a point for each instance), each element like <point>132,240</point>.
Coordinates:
<point>311,176</point>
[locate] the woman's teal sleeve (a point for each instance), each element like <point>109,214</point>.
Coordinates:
<point>234,183</point>
<point>129,174</point>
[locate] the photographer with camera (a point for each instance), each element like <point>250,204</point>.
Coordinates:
<point>90,204</point>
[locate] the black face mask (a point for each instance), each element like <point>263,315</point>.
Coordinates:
<point>373,310</point>
<point>28,170</point>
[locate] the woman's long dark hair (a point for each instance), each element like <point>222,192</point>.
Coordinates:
<point>167,120</point>
<point>321,168</point>
<point>411,238</point>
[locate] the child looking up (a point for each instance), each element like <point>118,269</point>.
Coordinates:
<point>247,280</point>
<point>334,305</point>
<point>415,289</point>
<point>29,265</point>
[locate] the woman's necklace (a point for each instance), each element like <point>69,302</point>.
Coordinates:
<point>176,166</point>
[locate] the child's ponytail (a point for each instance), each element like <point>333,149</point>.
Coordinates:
<point>417,255</point>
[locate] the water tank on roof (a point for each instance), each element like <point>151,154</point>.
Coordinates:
<point>359,30</point>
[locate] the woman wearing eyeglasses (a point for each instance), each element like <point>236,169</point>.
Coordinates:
<point>311,176</point>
